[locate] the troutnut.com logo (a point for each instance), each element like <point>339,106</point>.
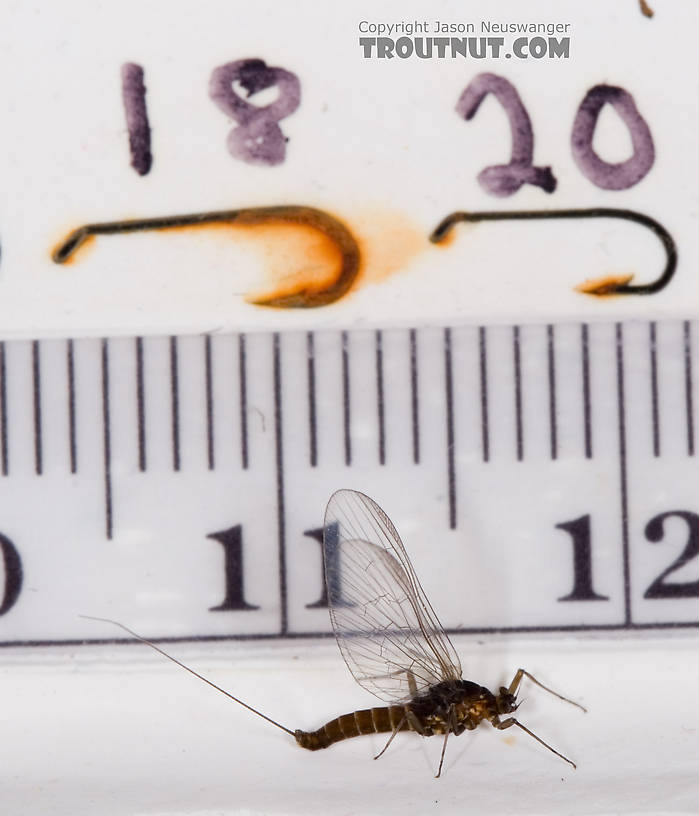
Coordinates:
<point>475,40</point>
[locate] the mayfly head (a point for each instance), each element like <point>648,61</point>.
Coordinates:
<point>506,701</point>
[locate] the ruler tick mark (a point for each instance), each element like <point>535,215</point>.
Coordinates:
<point>175,404</point>
<point>3,412</point>
<point>414,399</point>
<point>654,388</point>
<point>72,438</point>
<point>587,411</point>
<point>346,398</point>
<point>552,390</point>
<point>36,400</point>
<point>107,442</point>
<point>380,397</point>
<point>279,451</point>
<point>140,406</point>
<point>209,402</point>
<point>483,371</point>
<point>518,392</point>
<point>623,485</point>
<point>688,386</point>
<point>243,389</point>
<point>449,399</point>
<point>312,418</point>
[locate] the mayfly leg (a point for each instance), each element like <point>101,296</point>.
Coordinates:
<point>517,679</point>
<point>451,726</point>
<point>409,715</point>
<point>510,721</point>
<point>412,683</point>
<point>390,739</point>
<point>413,720</point>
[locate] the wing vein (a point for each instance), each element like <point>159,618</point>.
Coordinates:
<point>384,624</point>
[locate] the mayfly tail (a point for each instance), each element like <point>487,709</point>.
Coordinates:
<point>191,671</point>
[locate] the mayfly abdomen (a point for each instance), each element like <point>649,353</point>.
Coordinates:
<point>367,721</point>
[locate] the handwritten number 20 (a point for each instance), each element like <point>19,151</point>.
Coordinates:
<point>505,179</point>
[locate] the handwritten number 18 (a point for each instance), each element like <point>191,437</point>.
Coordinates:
<point>258,139</point>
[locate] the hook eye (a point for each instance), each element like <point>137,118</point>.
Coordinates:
<point>607,287</point>
<point>303,297</point>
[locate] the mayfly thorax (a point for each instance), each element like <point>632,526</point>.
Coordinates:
<point>392,641</point>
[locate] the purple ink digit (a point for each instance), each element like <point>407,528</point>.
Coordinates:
<point>609,176</point>
<point>134,95</point>
<point>505,179</point>
<point>258,139</point>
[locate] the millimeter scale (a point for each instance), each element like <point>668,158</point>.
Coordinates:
<point>459,285</point>
<point>128,433</point>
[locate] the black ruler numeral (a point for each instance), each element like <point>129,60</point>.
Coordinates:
<point>579,531</point>
<point>328,538</point>
<point>13,574</point>
<point>655,532</point>
<point>232,542</point>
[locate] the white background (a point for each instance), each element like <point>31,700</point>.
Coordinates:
<point>111,730</point>
<point>125,733</point>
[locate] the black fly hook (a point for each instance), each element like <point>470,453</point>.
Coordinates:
<point>302,298</point>
<point>607,288</point>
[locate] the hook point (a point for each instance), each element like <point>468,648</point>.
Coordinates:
<point>609,285</point>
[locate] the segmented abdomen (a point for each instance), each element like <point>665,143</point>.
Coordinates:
<point>368,721</point>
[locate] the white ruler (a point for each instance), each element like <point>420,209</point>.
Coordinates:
<point>542,476</point>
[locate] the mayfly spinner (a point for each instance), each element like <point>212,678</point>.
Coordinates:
<point>392,640</point>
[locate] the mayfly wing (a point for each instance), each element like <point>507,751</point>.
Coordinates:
<point>387,631</point>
